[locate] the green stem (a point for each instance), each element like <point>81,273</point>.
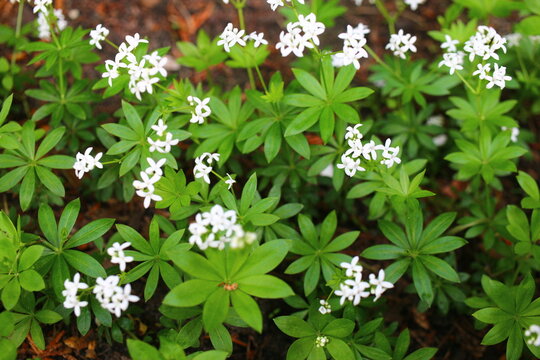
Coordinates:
<point>17,32</point>
<point>460,228</point>
<point>261,79</point>
<point>239,5</point>
<point>473,90</point>
<point>111,43</point>
<point>389,18</point>
<point>380,62</point>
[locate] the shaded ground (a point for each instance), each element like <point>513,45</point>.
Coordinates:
<point>165,22</point>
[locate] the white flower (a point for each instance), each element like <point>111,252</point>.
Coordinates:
<point>258,39</point>
<point>274,4</point>
<point>482,71</point>
<point>300,35</point>
<point>134,41</point>
<point>378,285</point>
<point>201,110</point>
<point>230,37</point>
<point>325,307</point>
<point>533,335</point>
<point>352,268</point>
<point>148,196</point>
<point>440,140</point>
<point>147,181</point>
<point>401,43</point>
<point>414,3</point>
<point>105,288</point>
<point>513,39</point>
<point>436,120</point>
<point>85,162</point>
<point>485,44</point>
<point>160,127</point>
<point>155,167</point>
<point>353,42</point>
<point>499,77</point>
<point>449,44</point>
<point>125,52</point>
<point>328,171</point>
<point>514,133</point>
<point>112,70</point>
<point>202,169</point>
<point>321,341</point>
<point>350,165</point>
<point>391,157</point>
<point>230,181</point>
<point>70,291</point>
<point>353,290</point>
<point>97,35</point>
<point>121,299</point>
<point>353,132</point>
<point>41,6</point>
<point>116,252</point>
<point>454,61</point>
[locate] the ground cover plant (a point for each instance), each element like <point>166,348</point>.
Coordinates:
<point>345,192</point>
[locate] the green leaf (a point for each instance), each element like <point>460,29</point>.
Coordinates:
<point>136,240</point>
<point>68,218</point>
<point>139,350</point>
<point>247,309</point>
<point>339,350</point>
<point>303,121</point>
<point>50,180</point>
<point>443,244</point>
<point>439,267</point>
<point>300,349</point>
<point>436,227</point>
<point>215,308</point>
<point>265,286</point>
<point>264,259</point>
<point>47,223</point>
<point>29,256</point>
<point>339,328</point>
<point>422,354</point>
<point>133,119</point>
<point>190,293</point>
<point>28,186</point>
<point>310,83</point>
<point>248,193</point>
<point>84,263</point>
<point>48,316</point>
<point>492,315</point>
<point>383,252</point>
<point>394,233</point>
<point>422,282</point>
<point>50,141</point>
<point>12,178</point>
<point>514,347</point>
<point>11,293</point>
<point>30,280</point>
<point>294,326</point>
<point>195,265</point>
<point>90,232</point>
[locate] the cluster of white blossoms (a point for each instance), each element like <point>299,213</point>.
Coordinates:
<point>97,35</point>
<point>414,3</point>
<point>201,110</point>
<point>274,4</point>
<point>150,176</point>
<point>514,133</point>
<point>321,341</point>
<point>116,252</point>
<point>165,142</point>
<point>354,289</point>
<point>203,165</point>
<point>351,159</point>
<point>110,295</point>
<point>85,162</point>
<point>301,34</point>
<point>484,44</point>
<point>217,228</point>
<point>513,40</point>
<point>232,36</point>
<point>353,46</point>
<point>401,43</point>
<point>44,19</point>
<point>533,335</point>
<point>113,297</point>
<point>143,73</point>
<point>325,307</point>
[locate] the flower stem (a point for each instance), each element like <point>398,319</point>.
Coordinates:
<point>17,32</point>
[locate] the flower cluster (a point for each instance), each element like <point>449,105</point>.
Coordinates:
<point>232,36</point>
<point>142,73</point>
<point>321,341</point>
<point>201,109</point>
<point>437,120</point>
<point>116,252</point>
<point>354,289</point>
<point>300,35</point>
<point>351,159</point>
<point>85,162</point>
<point>514,133</point>
<point>70,293</point>
<point>353,46</point>
<point>274,4</point>
<point>97,35</point>
<point>325,307</point>
<point>146,188</point>
<point>218,227</point>
<point>202,166</point>
<point>165,142</point>
<point>44,19</point>
<point>401,43</point>
<point>113,297</point>
<point>533,335</point>
<point>484,44</point>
